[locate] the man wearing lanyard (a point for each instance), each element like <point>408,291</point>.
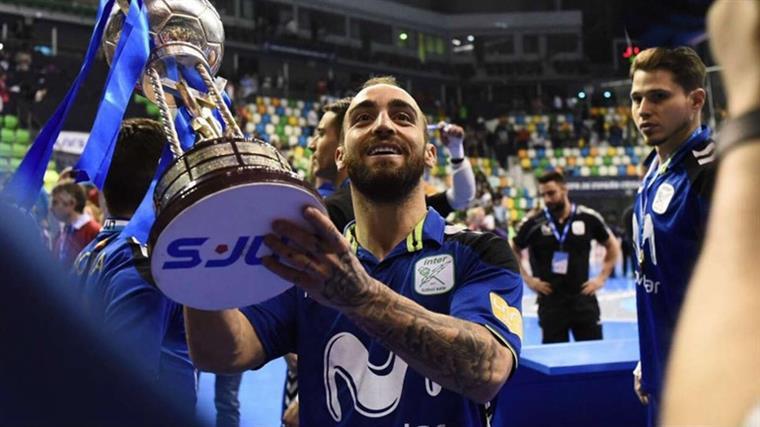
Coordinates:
<point>558,240</point>
<point>671,206</point>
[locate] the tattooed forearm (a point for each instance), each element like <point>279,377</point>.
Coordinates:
<point>348,287</point>
<point>459,355</point>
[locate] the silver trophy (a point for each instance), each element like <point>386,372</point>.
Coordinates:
<point>216,201</point>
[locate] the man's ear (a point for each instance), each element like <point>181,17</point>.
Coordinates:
<point>698,97</point>
<point>431,155</point>
<point>339,153</point>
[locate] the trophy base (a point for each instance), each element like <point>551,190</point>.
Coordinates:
<point>207,242</point>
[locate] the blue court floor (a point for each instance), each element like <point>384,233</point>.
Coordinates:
<point>261,391</point>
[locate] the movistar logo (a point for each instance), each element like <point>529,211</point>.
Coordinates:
<point>375,389</point>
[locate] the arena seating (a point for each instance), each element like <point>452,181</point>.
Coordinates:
<point>14,143</point>
<point>586,161</point>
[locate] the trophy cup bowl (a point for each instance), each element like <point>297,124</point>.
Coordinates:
<point>217,200</point>
<point>187,31</point>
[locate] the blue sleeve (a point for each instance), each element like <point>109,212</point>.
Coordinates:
<point>275,322</point>
<point>490,291</point>
<point>137,313</point>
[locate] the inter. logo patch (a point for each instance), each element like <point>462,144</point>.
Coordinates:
<point>662,198</point>
<point>434,275</point>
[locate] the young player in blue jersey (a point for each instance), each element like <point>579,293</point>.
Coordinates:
<point>404,321</point>
<point>671,206</point>
<point>113,274</point>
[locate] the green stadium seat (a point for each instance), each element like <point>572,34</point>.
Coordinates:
<point>19,150</point>
<point>10,122</point>
<point>7,135</point>
<point>22,136</point>
<point>5,149</point>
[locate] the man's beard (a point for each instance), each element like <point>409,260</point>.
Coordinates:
<point>556,208</point>
<point>328,173</point>
<point>384,185</point>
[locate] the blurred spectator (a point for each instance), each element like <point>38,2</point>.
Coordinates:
<point>79,228</point>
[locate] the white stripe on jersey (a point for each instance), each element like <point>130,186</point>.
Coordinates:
<point>706,152</point>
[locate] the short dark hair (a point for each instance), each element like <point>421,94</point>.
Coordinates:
<point>134,163</point>
<point>75,191</point>
<point>338,108</point>
<point>550,176</point>
<point>687,67</point>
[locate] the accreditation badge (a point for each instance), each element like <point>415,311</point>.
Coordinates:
<point>559,262</point>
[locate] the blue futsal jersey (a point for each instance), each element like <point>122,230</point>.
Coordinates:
<point>118,294</point>
<point>670,215</point>
<point>111,228</point>
<point>347,378</point>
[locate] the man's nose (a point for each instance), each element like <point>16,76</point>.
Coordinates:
<point>383,126</point>
<point>645,109</point>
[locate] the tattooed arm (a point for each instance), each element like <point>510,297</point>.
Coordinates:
<point>457,354</point>
<point>460,355</point>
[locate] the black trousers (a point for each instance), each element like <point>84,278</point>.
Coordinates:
<point>558,315</point>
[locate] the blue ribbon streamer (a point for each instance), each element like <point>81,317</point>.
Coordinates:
<point>25,184</point>
<point>129,62</point>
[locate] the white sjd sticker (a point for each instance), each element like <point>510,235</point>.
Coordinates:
<point>434,275</point>
<point>579,228</point>
<point>662,198</point>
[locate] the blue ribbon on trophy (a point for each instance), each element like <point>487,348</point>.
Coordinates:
<point>24,186</point>
<point>128,63</point>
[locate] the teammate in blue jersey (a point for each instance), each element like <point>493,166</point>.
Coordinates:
<point>323,144</point>
<point>113,274</point>
<point>402,322</point>
<point>671,206</point>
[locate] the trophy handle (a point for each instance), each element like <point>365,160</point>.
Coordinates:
<point>166,117</point>
<point>232,128</point>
